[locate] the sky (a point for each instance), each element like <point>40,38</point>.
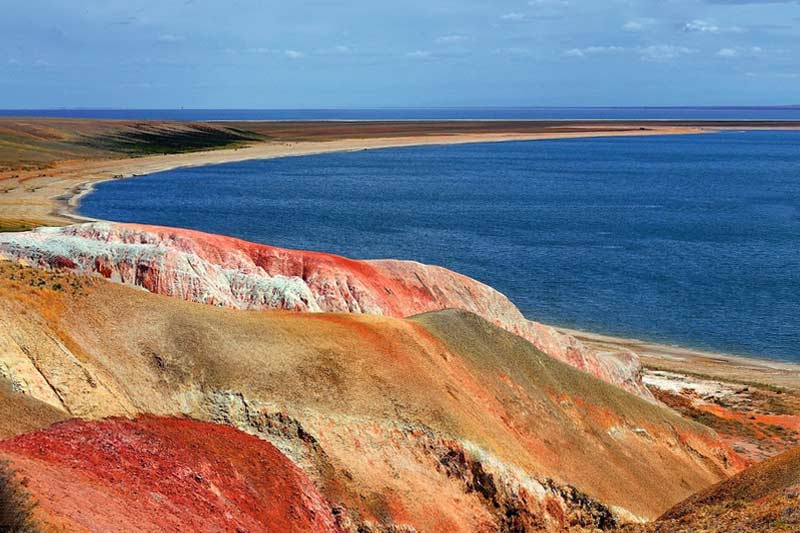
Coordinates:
<point>404,53</point>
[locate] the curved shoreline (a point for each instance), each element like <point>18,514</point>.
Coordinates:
<point>658,355</point>
<point>50,197</point>
<point>71,200</point>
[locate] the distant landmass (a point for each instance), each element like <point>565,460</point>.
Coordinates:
<point>782,112</point>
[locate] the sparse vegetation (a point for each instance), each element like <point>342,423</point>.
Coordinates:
<point>747,383</point>
<point>765,439</point>
<point>31,146</point>
<point>147,139</point>
<point>16,505</point>
<point>18,276</point>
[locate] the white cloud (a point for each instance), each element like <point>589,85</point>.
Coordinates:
<point>779,75</point>
<point>287,53</point>
<point>338,50</point>
<point>419,54</point>
<point>663,52</point>
<point>700,26</point>
<point>13,62</point>
<point>638,24</point>
<point>704,26</point>
<point>450,39</point>
<point>513,17</point>
<point>41,63</point>
<point>739,52</point>
<point>169,38</point>
<point>593,50</point>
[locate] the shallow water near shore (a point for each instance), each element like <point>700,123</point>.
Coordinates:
<point>691,240</point>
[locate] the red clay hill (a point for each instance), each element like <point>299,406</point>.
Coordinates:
<point>163,474</point>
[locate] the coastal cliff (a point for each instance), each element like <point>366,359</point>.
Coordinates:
<point>442,422</point>
<point>228,272</point>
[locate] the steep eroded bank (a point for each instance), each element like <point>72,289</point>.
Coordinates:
<point>228,272</point>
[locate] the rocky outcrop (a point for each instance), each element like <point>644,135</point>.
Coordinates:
<point>512,500</point>
<point>228,272</point>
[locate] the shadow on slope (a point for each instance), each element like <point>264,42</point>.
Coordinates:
<point>22,413</point>
<point>765,497</point>
<point>16,505</point>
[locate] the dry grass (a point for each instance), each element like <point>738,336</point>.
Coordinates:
<point>34,144</point>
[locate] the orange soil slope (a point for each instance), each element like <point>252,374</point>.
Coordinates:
<point>444,422</point>
<point>163,474</point>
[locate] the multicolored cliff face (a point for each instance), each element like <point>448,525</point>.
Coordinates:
<point>228,272</point>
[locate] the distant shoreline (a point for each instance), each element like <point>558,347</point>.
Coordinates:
<point>51,195</point>
<point>69,203</point>
<point>432,113</point>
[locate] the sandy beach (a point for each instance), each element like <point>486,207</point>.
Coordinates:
<point>734,368</point>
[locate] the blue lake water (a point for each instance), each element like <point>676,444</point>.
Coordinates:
<point>691,240</point>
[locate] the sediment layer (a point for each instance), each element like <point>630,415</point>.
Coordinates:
<point>228,272</point>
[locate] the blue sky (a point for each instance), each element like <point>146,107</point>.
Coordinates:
<point>366,53</point>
